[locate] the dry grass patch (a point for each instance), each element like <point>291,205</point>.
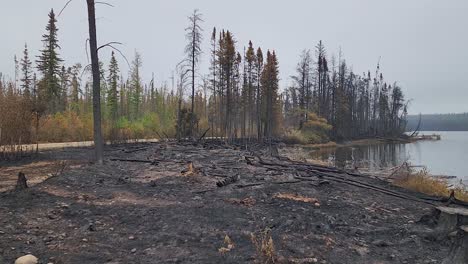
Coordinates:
<point>264,247</point>
<point>191,170</point>
<point>248,202</point>
<point>228,245</point>
<point>297,198</point>
<point>423,183</point>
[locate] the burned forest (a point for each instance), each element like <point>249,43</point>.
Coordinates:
<point>243,148</point>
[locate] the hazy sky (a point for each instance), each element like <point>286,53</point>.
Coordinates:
<point>423,44</point>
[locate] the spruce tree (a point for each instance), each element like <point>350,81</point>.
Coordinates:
<point>64,82</point>
<point>136,88</point>
<point>250,78</point>
<point>48,64</point>
<point>27,78</point>
<point>112,94</point>
<point>75,88</point>
<point>259,69</point>
<point>270,86</point>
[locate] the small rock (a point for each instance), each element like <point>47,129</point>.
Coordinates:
<point>28,259</point>
<point>453,234</point>
<point>361,250</point>
<point>131,238</point>
<point>48,239</point>
<point>133,250</point>
<point>84,240</point>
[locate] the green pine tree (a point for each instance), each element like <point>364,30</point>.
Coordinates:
<point>27,77</point>
<point>136,88</point>
<point>112,93</point>
<point>48,64</point>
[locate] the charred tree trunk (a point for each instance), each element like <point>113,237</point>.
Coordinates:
<point>192,116</point>
<point>98,140</point>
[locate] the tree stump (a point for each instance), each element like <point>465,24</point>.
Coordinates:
<point>21,184</point>
<point>459,251</point>
<point>449,219</point>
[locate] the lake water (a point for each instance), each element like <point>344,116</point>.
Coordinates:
<point>448,156</point>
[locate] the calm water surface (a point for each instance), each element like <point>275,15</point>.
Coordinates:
<point>448,157</point>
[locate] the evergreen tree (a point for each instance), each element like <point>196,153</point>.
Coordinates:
<point>270,86</point>
<point>227,59</point>
<point>48,64</point>
<point>250,59</point>
<point>64,83</point>
<point>112,95</point>
<point>136,88</point>
<point>259,69</point>
<point>75,88</point>
<point>26,68</point>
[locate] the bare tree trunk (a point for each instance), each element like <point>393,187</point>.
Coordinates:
<point>37,133</point>
<point>98,141</point>
<point>192,117</point>
<point>179,117</point>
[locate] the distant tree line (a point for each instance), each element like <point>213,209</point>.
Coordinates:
<point>439,122</point>
<point>239,97</point>
<point>355,105</point>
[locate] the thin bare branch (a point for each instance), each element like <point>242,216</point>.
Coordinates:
<point>120,52</point>
<point>64,7</point>
<point>86,68</point>
<point>104,3</point>
<point>86,48</point>
<point>108,44</point>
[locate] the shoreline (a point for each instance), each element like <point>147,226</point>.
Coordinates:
<point>368,141</point>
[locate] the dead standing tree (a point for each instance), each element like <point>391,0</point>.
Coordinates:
<point>181,82</point>
<point>98,140</point>
<point>94,49</point>
<point>193,51</point>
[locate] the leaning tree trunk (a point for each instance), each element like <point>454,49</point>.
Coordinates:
<point>98,141</point>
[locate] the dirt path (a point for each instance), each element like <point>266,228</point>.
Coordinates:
<point>78,144</point>
<point>148,212</point>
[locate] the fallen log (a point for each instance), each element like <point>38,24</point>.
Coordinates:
<point>286,182</point>
<point>135,150</point>
<point>340,179</point>
<point>203,135</point>
<point>453,200</point>
<point>249,185</point>
<point>204,191</point>
<point>152,162</point>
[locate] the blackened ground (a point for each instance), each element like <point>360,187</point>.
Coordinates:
<point>137,212</point>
